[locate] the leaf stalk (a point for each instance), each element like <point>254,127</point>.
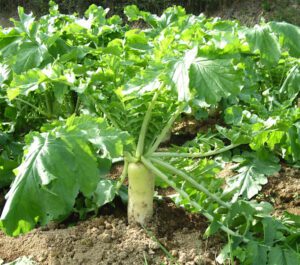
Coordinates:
<point>146,121</point>
<point>165,130</point>
<point>195,155</point>
<point>32,106</point>
<point>190,180</point>
<point>123,176</point>
<point>172,184</point>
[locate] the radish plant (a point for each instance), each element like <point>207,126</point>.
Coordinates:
<point>93,91</point>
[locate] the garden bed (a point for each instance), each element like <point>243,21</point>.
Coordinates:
<point>108,239</point>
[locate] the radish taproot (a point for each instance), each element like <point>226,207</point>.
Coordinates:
<point>140,193</point>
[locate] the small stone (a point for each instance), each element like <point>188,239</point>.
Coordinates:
<point>151,252</point>
<point>123,255</point>
<point>185,230</point>
<point>174,252</point>
<point>153,245</point>
<point>110,218</point>
<point>87,242</point>
<point>41,258</point>
<point>54,253</point>
<point>198,260</point>
<point>106,238</point>
<point>100,220</point>
<point>182,258</point>
<point>190,263</point>
<point>101,227</point>
<point>108,226</point>
<point>94,230</point>
<point>115,222</point>
<point>192,254</point>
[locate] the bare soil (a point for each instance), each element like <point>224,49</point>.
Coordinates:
<point>283,191</point>
<point>251,12</point>
<point>108,239</point>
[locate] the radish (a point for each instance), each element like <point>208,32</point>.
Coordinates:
<point>140,193</point>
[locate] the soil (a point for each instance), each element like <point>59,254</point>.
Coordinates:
<point>251,12</point>
<point>108,239</point>
<point>283,191</point>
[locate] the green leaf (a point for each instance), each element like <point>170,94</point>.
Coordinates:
<point>224,254</point>
<point>257,254</point>
<point>47,182</point>
<point>145,81</point>
<point>136,39</point>
<point>9,43</point>
<point>57,166</point>
<point>97,14</point>
<point>279,256</point>
<point>294,136</point>
<point>262,40</point>
<point>4,73</point>
<point>109,140</point>
<point>25,83</point>
<point>6,174</point>
<point>237,135</point>
<point>132,12</point>
<point>291,85</point>
<point>26,23</point>
<point>248,181</point>
<point>294,84</point>
<point>60,90</point>
<point>270,229</point>
<point>241,208</point>
<point>22,261</point>
<point>292,218</point>
<point>252,174</point>
<point>104,193</point>
<point>75,53</point>
<point>233,115</point>
<point>213,79</point>
<point>289,35</point>
<point>180,74</point>
<point>29,55</point>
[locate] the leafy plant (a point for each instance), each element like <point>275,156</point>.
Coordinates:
<point>96,91</point>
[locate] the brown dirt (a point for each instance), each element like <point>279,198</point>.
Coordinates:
<point>116,171</point>
<point>283,191</point>
<point>251,12</point>
<point>108,239</point>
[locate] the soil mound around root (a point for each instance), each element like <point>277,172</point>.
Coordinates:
<point>108,239</point>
